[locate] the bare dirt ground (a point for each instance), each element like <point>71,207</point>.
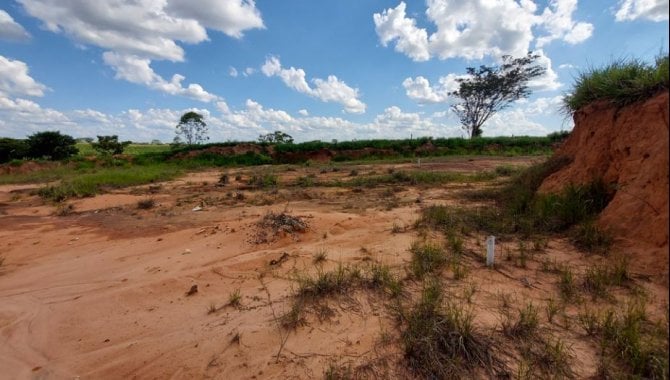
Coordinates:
<point>100,289</point>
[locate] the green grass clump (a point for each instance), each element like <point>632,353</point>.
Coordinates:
<point>599,278</point>
<point>440,341</point>
<point>589,237</point>
<point>91,183</point>
<point>638,348</point>
<point>263,181</point>
<point>525,325</point>
<point>566,283</point>
<point>235,298</point>
<point>621,82</point>
<point>381,277</point>
<point>427,258</point>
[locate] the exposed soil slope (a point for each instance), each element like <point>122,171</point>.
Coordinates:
<point>628,148</point>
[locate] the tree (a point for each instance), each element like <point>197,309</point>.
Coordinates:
<point>277,137</point>
<point>489,89</point>
<point>108,145</point>
<point>12,149</point>
<point>51,145</point>
<point>192,127</point>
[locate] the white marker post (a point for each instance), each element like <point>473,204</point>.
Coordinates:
<point>490,250</point>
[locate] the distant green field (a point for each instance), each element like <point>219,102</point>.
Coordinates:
<point>85,149</point>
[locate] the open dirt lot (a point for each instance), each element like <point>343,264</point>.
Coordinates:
<point>106,289</point>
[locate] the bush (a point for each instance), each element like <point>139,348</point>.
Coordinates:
<point>108,145</point>
<point>12,149</point>
<point>51,145</point>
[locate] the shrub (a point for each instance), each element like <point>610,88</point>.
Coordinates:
<point>12,149</point>
<point>51,145</point>
<point>109,145</point>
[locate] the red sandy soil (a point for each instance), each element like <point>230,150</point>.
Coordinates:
<point>628,149</point>
<point>100,291</point>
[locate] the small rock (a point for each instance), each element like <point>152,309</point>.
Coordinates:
<point>186,252</point>
<point>197,208</point>
<point>193,290</point>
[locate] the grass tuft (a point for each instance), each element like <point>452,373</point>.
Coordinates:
<point>525,325</point>
<point>427,258</point>
<point>440,341</point>
<point>621,82</point>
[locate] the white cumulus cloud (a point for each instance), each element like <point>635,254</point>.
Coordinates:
<point>138,70</point>
<point>421,91</point>
<point>15,80</point>
<point>557,20</point>
<point>478,28</point>
<point>134,33</point>
<point>653,10</point>
<point>11,30</point>
<point>330,89</point>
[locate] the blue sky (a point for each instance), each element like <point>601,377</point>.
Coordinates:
<point>345,69</point>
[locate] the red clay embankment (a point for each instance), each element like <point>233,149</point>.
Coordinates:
<point>628,148</point>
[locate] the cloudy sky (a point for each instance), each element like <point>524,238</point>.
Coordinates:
<point>346,69</point>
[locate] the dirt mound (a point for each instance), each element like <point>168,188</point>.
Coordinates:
<point>27,167</point>
<point>628,148</point>
<point>233,150</point>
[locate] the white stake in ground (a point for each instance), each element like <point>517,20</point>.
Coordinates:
<point>490,250</point>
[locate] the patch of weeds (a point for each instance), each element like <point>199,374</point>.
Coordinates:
<point>235,298</point>
<point>552,308</point>
<point>293,318</point>
<point>381,277</point>
<point>575,204</point>
<point>326,283</point>
<point>63,209</point>
<point>638,346</point>
<point>427,258</point>
<point>553,357</point>
<point>455,244</point>
<point>522,259</point>
<point>589,321</point>
<point>263,181</point>
<point>438,217</point>
<point>306,181</point>
<point>460,270</point>
<point>338,372</point>
<point>524,325</point>
<point>212,308</point>
<point>566,283</point>
<point>587,236</point>
<point>146,204</point>
<point>320,256</point>
<point>224,179</point>
<point>440,341</point>
<point>353,173</point>
<point>599,278</point>
<point>397,228</point>
<point>506,170</point>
